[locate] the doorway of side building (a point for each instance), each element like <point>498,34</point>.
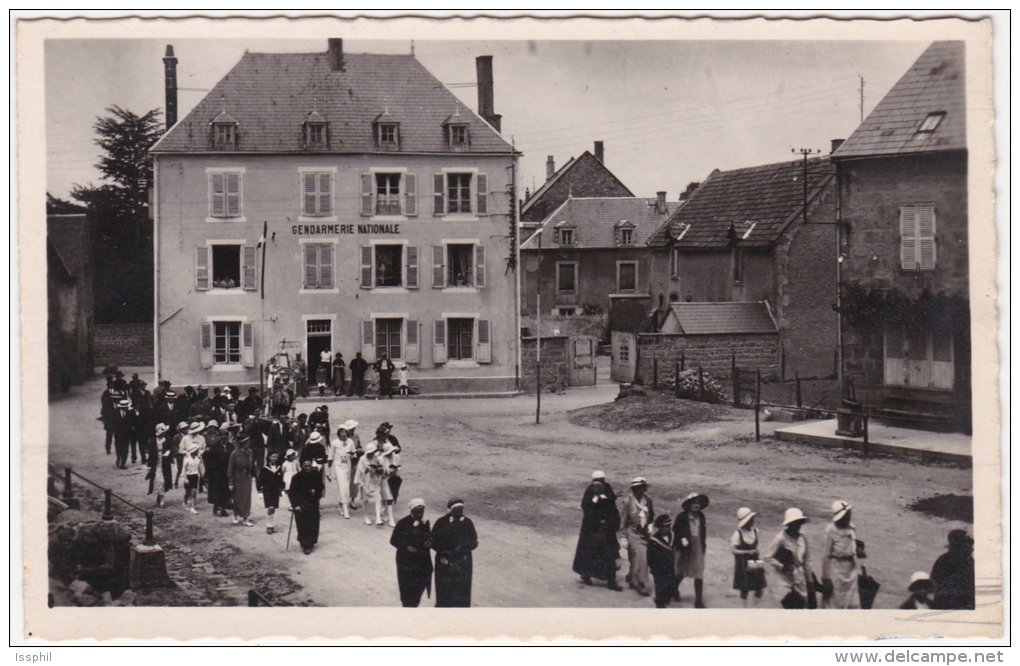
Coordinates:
<point>318,338</point>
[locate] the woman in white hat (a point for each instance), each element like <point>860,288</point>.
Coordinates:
<point>789,556</point>
<point>350,425</point>
<point>369,479</point>
<point>341,452</point>
<point>412,537</point>
<point>748,574</point>
<point>920,590</point>
<point>192,473</point>
<point>689,542</point>
<point>840,569</point>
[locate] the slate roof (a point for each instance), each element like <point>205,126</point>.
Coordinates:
<point>724,318</point>
<point>270,94</point>
<point>562,172</point>
<point>935,83</point>
<point>759,202</point>
<point>595,221</point>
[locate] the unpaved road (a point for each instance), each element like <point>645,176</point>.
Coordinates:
<point>522,484</point>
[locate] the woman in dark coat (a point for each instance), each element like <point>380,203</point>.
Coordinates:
<point>216,457</point>
<point>412,539</point>
<point>306,490</point>
<point>240,471</point>
<point>597,548</point>
<point>453,539</point>
<point>689,541</point>
<point>953,574</point>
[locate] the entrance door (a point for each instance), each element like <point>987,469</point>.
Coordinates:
<point>581,361</point>
<point>319,339</point>
<point>624,349</point>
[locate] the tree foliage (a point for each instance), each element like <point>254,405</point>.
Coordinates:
<point>120,203</point>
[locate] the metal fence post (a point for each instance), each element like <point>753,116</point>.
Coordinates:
<point>107,504</point>
<point>757,405</point>
<point>676,379</point>
<point>683,361</point>
<point>796,376</point>
<point>864,418</point>
<point>701,384</point>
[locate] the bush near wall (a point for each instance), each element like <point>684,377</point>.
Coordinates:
<point>714,353</point>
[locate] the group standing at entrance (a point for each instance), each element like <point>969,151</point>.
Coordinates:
<point>329,374</point>
<point>662,551</point>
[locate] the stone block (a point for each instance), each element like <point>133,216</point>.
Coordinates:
<point>148,567</point>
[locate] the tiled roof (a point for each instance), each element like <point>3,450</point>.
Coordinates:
<point>595,221</point>
<point>758,202</point>
<point>270,94</point>
<point>934,84</point>
<point>724,318</point>
<point>586,156</point>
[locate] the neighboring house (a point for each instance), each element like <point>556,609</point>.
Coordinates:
<point>386,208</point>
<point>69,276</point>
<point>741,236</point>
<point>590,252</point>
<point>905,303</point>
<point>582,177</point>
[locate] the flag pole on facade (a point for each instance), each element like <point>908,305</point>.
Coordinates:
<point>262,244</point>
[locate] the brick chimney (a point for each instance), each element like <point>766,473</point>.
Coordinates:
<point>660,203</point>
<point>550,167</point>
<point>335,52</point>
<point>600,151</point>
<point>170,79</point>
<point>836,143</point>
<point>486,102</point>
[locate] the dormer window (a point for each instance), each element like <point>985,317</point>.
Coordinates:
<point>565,236</point>
<point>931,122</point>
<point>458,135</point>
<point>315,130</point>
<point>224,131</point>
<point>624,232</point>
<point>388,134</point>
<point>386,131</point>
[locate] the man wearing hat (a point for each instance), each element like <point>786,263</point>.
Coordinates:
<point>839,553</point>
<point>453,539</point>
<point>412,538</point>
<point>689,542</point>
<point>107,406</point>
<point>144,426</point>
<point>597,548</point>
<point>305,491</point>
<point>387,428</point>
<point>320,419</point>
<point>636,517</point>
<point>123,419</point>
<point>953,574</point>
<point>789,556</point>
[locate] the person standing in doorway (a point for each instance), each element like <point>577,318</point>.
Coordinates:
<point>454,538</point>
<point>635,520</point>
<point>358,368</point>
<point>413,540</point>
<point>339,374</point>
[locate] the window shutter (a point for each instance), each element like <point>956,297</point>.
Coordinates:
<point>311,266</point>
<point>926,237</point>
<point>484,354</point>
<point>201,268</point>
<point>412,267</point>
<point>908,238</point>
<point>309,193</point>
<point>366,266</point>
<point>325,193</point>
<point>482,190</point>
<point>233,195</point>
<point>438,195</point>
<point>205,335</point>
<point>480,266</point>
<point>439,341</point>
<point>248,268</point>
<point>411,349</point>
<point>410,195</point>
<point>366,195</point>
<point>438,266</point>
<point>247,345</point>
<point>368,339</point>
<point>326,266</point>
<point>217,195</point>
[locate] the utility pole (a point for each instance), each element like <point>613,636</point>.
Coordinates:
<point>805,152</point>
<point>538,333</point>
<point>861,77</point>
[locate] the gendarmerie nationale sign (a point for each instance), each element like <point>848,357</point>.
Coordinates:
<point>337,229</point>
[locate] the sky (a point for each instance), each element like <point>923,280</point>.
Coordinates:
<point>668,112</point>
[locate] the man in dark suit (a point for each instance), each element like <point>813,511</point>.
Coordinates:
<point>124,419</point>
<point>358,368</point>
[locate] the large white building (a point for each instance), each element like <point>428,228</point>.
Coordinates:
<point>386,205</point>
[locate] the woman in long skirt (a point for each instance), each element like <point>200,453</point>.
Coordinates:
<point>839,561</point>
<point>689,541</point>
<point>748,571</point>
<point>597,548</point>
<point>240,472</point>
<point>453,539</point>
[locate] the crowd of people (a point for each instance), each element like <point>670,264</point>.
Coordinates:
<point>663,551</point>
<point>330,374</point>
<point>226,448</point>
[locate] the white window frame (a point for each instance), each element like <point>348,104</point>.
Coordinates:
<point>402,289</point>
<point>396,134</point>
<point>558,311</point>
<point>229,319</point>
<point>473,288</point>
<point>560,265</point>
<point>473,196</point>
<point>401,195</point>
<point>220,291</point>
<point>304,331</point>
<point>637,277</point>
<point>319,241</point>
<point>319,219</point>
<point>462,362</point>
<point>573,236</point>
<point>240,171</point>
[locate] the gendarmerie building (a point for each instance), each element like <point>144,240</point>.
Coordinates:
<point>385,205</point>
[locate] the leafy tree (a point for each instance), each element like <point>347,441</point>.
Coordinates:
<point>121,202</point>
<point>691,186</point>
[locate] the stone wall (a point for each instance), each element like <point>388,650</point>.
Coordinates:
<point>714,353</point>
<point>554,363</point>
<point>124,344</point>
<point>593,325</point>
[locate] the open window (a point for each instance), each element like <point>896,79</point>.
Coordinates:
<point>389,265</point>
<point>225,266</point>
<point>389,193</point>
<point>458,265</point>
